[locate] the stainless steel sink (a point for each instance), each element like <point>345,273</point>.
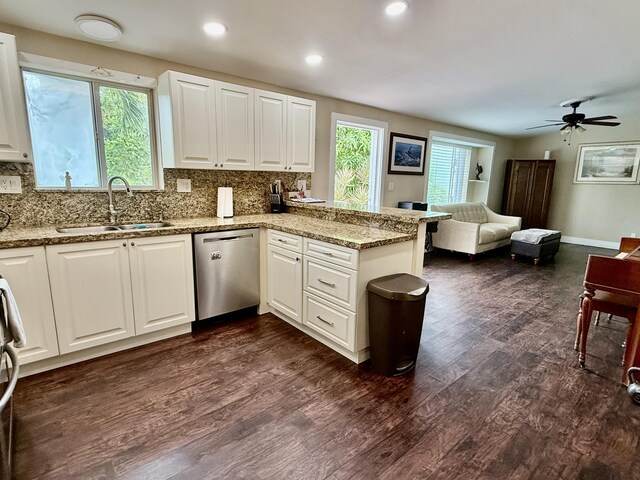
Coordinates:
<point>143,226</point>
<point>98,229</point>
<point>114,228</point>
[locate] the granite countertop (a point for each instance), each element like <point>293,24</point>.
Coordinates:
<point>376,212</point>
<point>348,235</point>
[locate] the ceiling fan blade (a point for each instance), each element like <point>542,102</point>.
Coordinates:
<point>602,124</point>
<point>605,117</point>
<point>543,126</point>
<point>557,120</point>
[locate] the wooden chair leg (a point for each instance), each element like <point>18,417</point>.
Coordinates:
<point>578,331</point>
<point>586,311</point>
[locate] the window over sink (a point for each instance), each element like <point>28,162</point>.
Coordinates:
<point>91,129</point>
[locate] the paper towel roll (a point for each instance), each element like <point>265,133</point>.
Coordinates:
<point>225,202</point>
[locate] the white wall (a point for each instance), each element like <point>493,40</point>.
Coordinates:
<point>593,212</point>
<point>408,187</point>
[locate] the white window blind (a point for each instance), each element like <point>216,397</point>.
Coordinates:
<point>448,173</point>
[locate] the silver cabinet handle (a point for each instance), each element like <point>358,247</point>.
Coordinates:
<point>282,240</point>
<point>326,253</point>
<point>324,321</point>
<point>332,285</point>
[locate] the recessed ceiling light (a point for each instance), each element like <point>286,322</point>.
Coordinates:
<point>215,29</point>
<point>396,8</point>
<point>313,59</point>
<point>98,28</point>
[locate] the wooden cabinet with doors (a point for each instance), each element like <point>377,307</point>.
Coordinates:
<point>527,191</point>
<point>14,135</point>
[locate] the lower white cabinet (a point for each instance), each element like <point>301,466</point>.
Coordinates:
<point>162,282</point>
<point>111,290</point>
<point>91,289</point>
<point>26,271</point>
<point>284,269</point>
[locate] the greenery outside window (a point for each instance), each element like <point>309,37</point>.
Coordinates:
<point>91,129</point>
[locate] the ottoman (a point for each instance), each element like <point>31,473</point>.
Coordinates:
<point>536,243</point>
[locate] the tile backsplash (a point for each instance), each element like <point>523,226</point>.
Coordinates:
<point>36,207</point>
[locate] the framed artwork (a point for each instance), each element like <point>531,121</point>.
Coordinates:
<point>406,154</point>
<point>612,163</point>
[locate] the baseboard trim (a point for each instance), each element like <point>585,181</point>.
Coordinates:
<point>590,243</point>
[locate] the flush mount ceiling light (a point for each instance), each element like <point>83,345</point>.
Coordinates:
<point>396,8</point>
<point>98,28</point>
<point>314,59</point>
<point>215,29</point>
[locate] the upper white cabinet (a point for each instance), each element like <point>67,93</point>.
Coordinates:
<point>187,121</point>
<point>271,130</point>
<point>235,126</point>
<point>91,289</point>
<point>14,134</point>
<point>208,124</point>
<point>162,282</point>
<point>26,271</point>
<point>301,134</point>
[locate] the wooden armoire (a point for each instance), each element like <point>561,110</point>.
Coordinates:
<point>527,191</point>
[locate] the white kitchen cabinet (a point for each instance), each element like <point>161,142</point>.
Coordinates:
<point>26,271</point>
<point>187,121</point>
<point>14,134</point>
<point>301,134</point>
<point>162,282</point>
<point>270,130</point>
<point>235,126</point>
<point>284,273</point>
<point>91,290</point>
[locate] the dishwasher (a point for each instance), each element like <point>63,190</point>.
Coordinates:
<point>227,271</point>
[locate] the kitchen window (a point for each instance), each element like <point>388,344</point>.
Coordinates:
<point>91,129</point>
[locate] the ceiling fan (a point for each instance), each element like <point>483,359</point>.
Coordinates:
<point>575,120</point>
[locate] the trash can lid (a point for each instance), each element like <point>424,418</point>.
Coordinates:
<point>400,286</point>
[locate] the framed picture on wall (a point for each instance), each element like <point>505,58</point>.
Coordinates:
<point>406,154</point>
<point>612,163</point>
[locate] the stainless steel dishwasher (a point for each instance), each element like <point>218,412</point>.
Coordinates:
<point>227,271</point>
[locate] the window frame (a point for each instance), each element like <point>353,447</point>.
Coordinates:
<point>376,170</point>
<point>464,181</point>
<point>98,129</point>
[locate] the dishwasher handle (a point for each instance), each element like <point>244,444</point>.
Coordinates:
<point>227,239</point>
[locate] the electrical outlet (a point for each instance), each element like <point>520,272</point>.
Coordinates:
<point>392,186</point>
<point>10,184</point>
<point>183,185</point>
<point>634,235</point>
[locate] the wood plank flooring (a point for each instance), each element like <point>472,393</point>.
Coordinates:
<point>496,394</point>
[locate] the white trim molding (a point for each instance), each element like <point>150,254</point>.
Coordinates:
<point>590,243</point>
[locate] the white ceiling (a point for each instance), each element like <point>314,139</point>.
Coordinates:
<point>494,65</point>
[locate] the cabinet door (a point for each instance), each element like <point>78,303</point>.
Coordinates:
<point>284,282</point>
<point>541,194</point>
<point>14,138</point>
<point>271,130</point>
<point>519,189</point>
<point>26,271</point>
<point>301,134</point>
<point>235,126</point>
<point>162,282</point>
<point>191,143</point>
<point>91,290</point>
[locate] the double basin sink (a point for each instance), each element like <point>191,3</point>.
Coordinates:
<point>114,228</point>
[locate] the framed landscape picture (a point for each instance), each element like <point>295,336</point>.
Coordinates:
<point>406,154</point>
<point>613,163</point>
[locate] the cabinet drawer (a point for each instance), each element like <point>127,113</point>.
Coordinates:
<point>333,283</point>
<point>330,321</point>
<point>285,240</point>
<point>343,256</point>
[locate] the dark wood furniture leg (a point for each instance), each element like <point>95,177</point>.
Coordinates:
<point>585,320</point>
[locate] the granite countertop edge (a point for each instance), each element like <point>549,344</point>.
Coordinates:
<point>344,234</point>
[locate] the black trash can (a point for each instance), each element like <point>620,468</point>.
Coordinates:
<point>396,311</point>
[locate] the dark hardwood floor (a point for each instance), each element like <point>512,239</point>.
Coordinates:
<point>497,393</point>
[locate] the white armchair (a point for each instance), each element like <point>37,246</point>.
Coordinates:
<point>474,228</point>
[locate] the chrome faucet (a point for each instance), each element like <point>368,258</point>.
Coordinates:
<point>112,209</point>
